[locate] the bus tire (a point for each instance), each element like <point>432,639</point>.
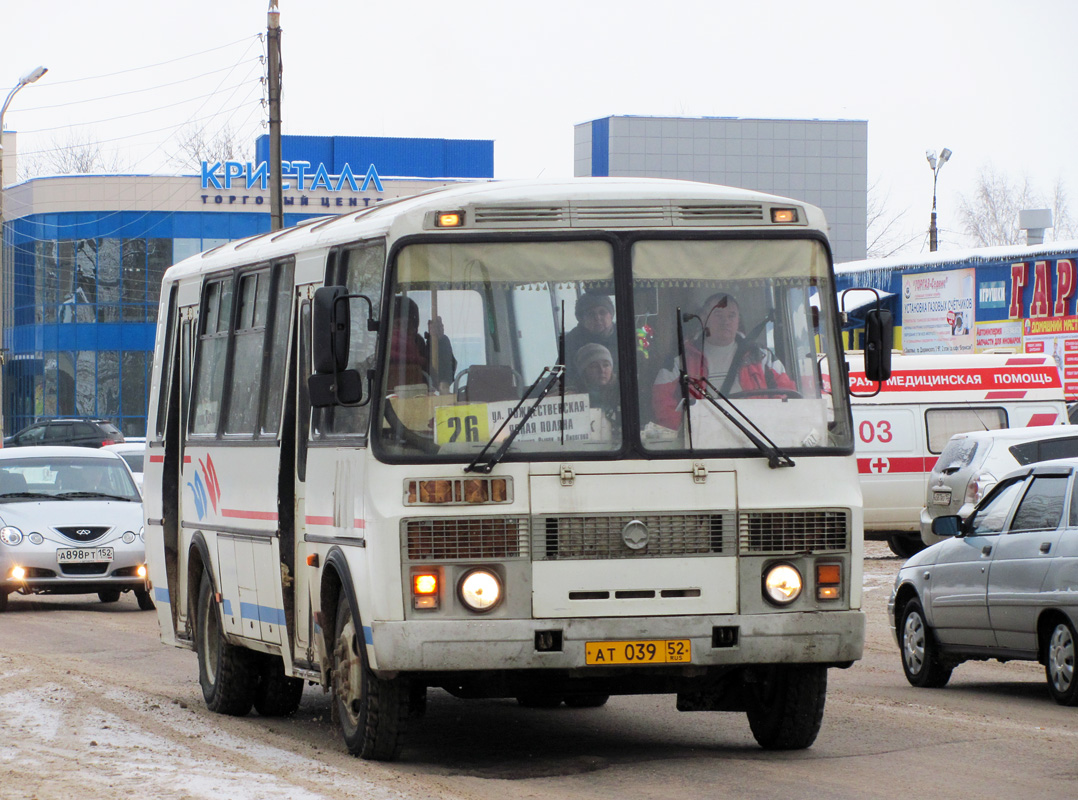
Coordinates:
<point>225,671</point>
<point>277,694</point>
<point>372,712</point>
<point>787,709</point>
<point>586,700</point>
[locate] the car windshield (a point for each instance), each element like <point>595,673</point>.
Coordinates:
<point>65,477</point>
<point>473,326</point>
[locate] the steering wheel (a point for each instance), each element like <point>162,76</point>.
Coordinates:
<point>785,394</point>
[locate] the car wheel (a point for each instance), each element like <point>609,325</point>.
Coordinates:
<point>225,671</point>
<point>904,546</point>
<point>372,712</point>
<point>1059,664</point>
<point>586,700</point>
<point>145,601</point>
<point>109,595</point>
<point>3,600</point>
<point>277,695</point>
<point>786,710</point>
<point>920,653</point>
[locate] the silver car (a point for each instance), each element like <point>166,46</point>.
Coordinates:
<point>1002,585</point>
<point>70,523</point>
<point>971,463</point>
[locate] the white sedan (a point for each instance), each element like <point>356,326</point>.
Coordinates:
<point>70,523</point>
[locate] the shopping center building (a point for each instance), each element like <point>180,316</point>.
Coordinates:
<point>84,255</point>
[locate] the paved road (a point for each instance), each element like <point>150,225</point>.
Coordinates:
<point>93,706</point>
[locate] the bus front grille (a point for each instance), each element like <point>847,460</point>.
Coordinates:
<point>819,530</point>
<point>465,538</point>
<point>637,536</point>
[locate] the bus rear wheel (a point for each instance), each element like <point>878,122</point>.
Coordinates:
<point>226,672</point>
<point>787,710</point>
<point>372,712</point>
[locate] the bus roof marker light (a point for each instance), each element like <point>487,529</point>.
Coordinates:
<point>784,215</point>
<point>449,219</point>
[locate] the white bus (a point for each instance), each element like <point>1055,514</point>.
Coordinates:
<point>547,441</point>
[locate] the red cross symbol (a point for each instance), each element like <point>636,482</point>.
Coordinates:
<point>879,465</point>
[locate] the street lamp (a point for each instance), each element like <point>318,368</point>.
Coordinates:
<point>25,80</point>
<point>936,165</point>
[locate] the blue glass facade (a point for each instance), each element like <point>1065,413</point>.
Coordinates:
<point>84,289</point>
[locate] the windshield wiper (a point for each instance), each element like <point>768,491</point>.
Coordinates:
<point>553,375</point>
<point>775,456</point>
<point>28,496</point>
<point>81,495</point>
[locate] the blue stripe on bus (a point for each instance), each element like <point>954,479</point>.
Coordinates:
<point>368,635</point>
<point>226,607</point>
<point>160,595</point>
<point>267,614</point>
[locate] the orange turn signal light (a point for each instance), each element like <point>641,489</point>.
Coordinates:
<point>784,215</point>
<point>425,590</point>
<point>449,219</point>
<point>828,581</point>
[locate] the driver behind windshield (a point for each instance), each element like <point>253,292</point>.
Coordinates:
<point>721,353</point>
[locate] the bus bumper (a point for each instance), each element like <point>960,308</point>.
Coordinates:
<point>831,637</point>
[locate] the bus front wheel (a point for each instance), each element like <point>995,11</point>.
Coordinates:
<point>371,712</point>
<point>225,671</point>
<point>786,710</point>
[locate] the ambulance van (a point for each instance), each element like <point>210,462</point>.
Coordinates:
<point>900,431</point>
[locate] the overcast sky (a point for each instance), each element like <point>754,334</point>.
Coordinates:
<point>993,81</point>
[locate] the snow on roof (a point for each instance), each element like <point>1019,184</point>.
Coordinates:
<point>972,255</point>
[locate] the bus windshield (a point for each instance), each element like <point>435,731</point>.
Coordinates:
<point>475,329</point>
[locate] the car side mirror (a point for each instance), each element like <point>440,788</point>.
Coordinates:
<point>950,525</point>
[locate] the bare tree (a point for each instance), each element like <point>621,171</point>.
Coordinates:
<point>77,153</point>
<point>990,215</point>
<point>196,145</point>
<point>884,234</point>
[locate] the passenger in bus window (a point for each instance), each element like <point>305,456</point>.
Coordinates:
<point>410,354</point>
<point>595,325</point>
<point>595,368</point>
<point>721,353</point>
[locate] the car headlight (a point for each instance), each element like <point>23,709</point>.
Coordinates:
<point>782,584</point>
<point>10,535</point>
<point>142,533</point>
<point>36,538</point>
<point>128,537</point>
<point>480,590</point>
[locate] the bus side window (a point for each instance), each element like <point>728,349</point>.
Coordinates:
<point>210,356</point>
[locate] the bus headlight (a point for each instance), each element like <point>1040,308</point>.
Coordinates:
<point>782,584</point>
<point>480,590</point>
<point>10,535</point>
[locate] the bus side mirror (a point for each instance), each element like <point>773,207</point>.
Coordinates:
<point>878,338</point>
<point>331,326</point>
<point>332,383</point>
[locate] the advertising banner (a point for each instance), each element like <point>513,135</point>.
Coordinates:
<point>938,312</point>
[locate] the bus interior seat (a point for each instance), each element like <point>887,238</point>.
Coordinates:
<point>488,383</point>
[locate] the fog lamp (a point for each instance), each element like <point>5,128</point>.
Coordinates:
<point>480,590</point>
<point>782,584</point>
<point>141,571</point>
<point>18,573</point>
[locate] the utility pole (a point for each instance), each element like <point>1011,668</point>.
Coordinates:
<point>274,83</point>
